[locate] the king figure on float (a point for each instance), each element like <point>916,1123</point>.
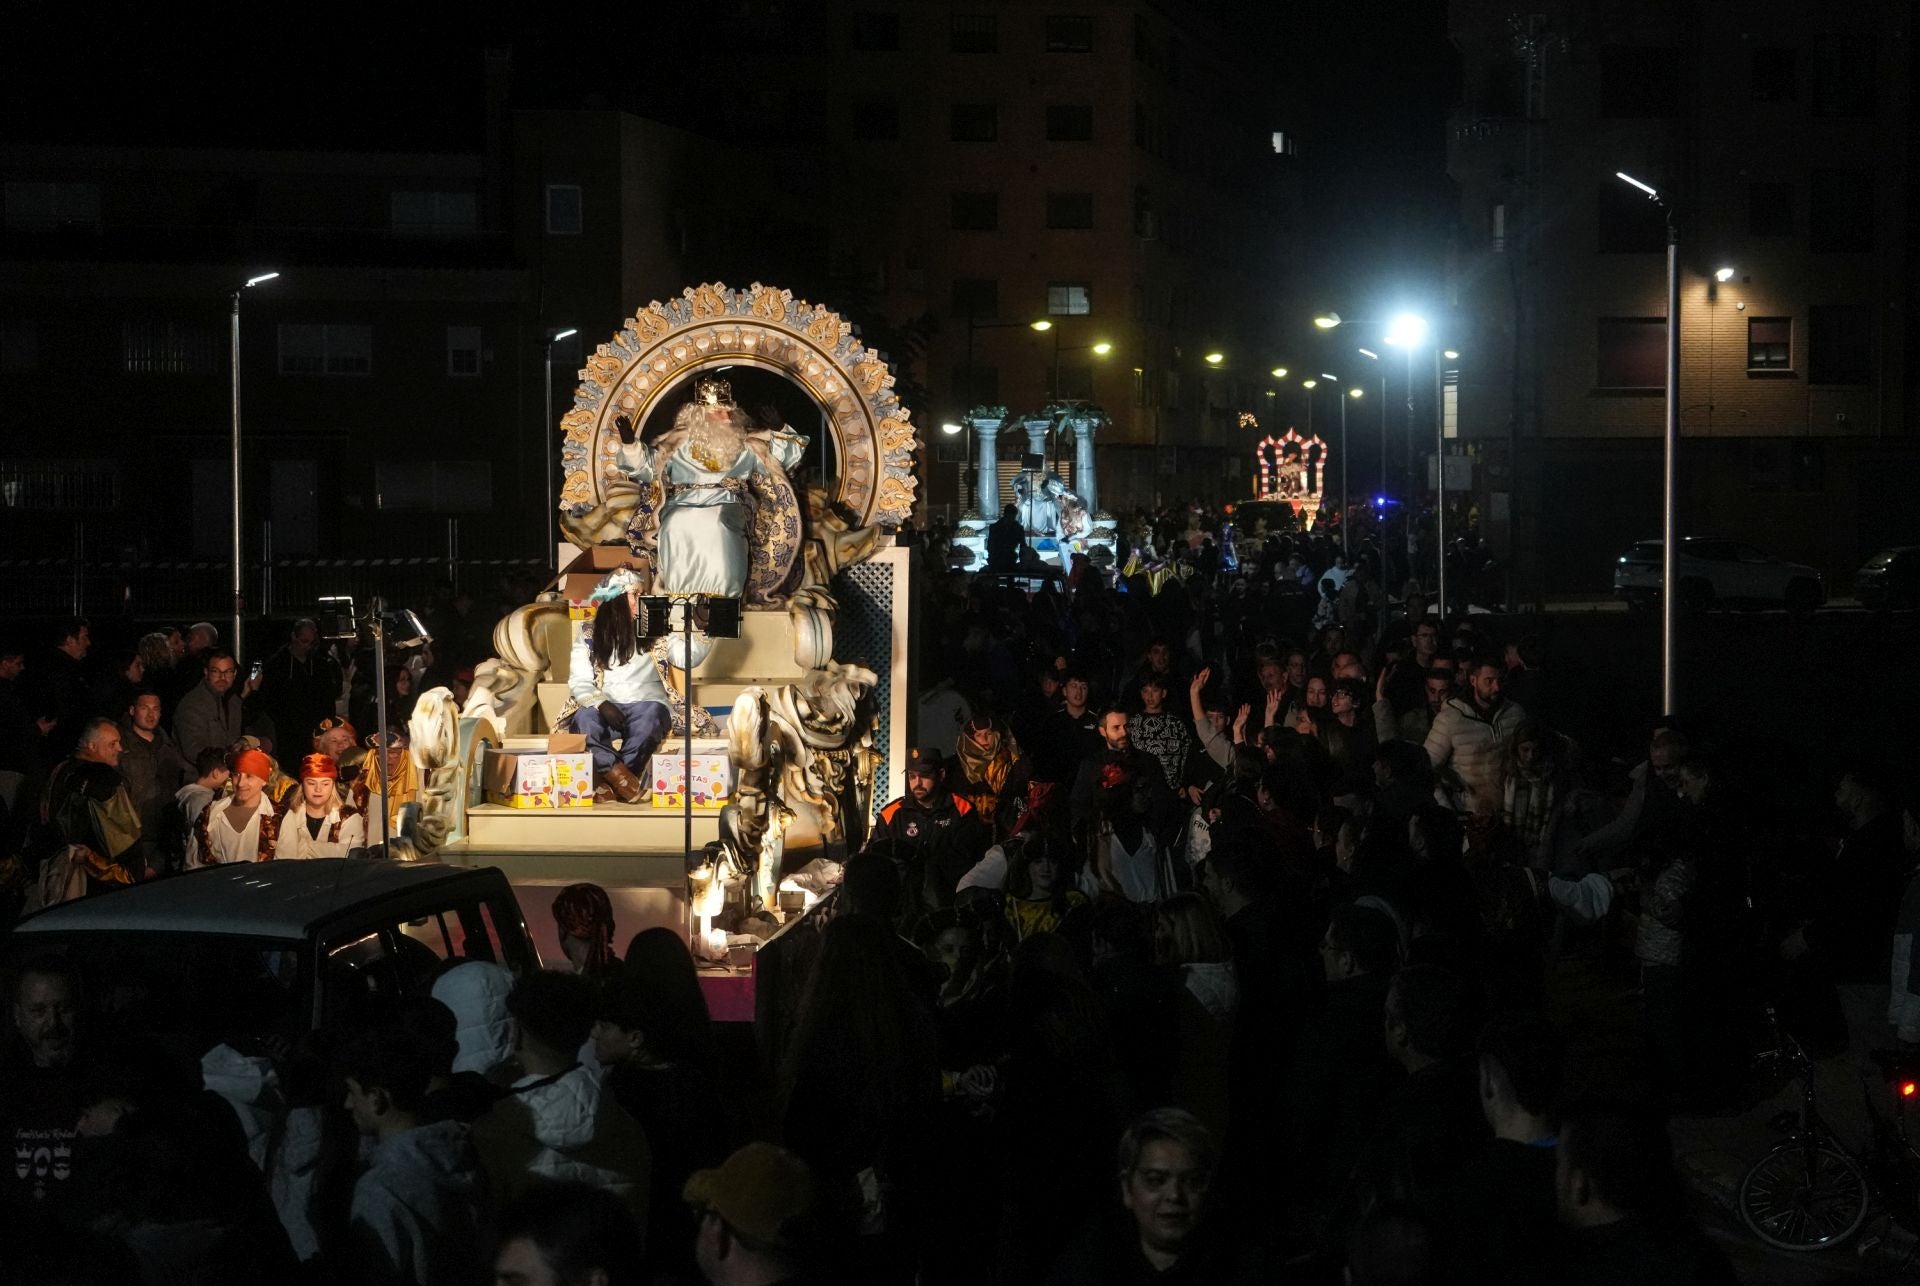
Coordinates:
<point>701,482</point>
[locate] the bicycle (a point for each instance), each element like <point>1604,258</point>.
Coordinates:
<point>1810,1191</point>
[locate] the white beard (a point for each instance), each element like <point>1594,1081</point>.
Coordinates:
<point>714,443</point>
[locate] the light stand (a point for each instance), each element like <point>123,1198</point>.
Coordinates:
<point>723,622</point>
<point>547,446</point>
<point>408,633</point>
<point>239,571</point>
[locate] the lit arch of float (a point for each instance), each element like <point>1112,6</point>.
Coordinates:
<point>664,345</point>
<point>1275,480</point>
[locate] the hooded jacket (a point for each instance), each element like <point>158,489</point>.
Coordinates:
<point>283,1142</point>
<point>417,1212</point>
<point>569,1128</point>
<point>476,992</point>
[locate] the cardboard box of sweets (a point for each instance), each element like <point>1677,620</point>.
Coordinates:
<point>711,772</point>
<point>560,776</point>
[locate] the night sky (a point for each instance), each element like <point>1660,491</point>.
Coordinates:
<point>1365,88</point>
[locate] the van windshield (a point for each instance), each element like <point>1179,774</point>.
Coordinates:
<point>201,987</point>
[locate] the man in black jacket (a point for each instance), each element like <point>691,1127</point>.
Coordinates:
<point>300,685</point>
<point>1432,1125</point>
<point>933,835</point>
<point>1499,1215</point>
<point>1623,1206</point>
<point>1340,1073</point>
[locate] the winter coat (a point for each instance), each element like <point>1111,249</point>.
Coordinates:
<point>154,771</point>
<point>476,992</point>
<point>284,1143</point>
<point>418,1213</point>
<point>1474,747</point>
<point>205,719</point>
<point>567,1127</point>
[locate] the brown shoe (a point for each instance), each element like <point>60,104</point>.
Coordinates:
<point>603,794</point>
<point>627,788</point>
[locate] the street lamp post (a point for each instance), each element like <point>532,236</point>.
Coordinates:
<point>1409,331</point>
<point>1669,532</point>
<point>951,429</point>
<point>547,447</point>
<point>1346,503</point>
<point>1345,545</point>
<point>239,567</point>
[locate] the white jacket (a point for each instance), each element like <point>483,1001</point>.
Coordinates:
<point>476,992</point>
<point>569,1128</point>
<point>1475,747</point>
<point>284,1143</point>
<point>634,680</point>
<point>417,1212</point>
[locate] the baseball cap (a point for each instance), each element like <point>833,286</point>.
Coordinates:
<point>925,759</point>
<point>764,1192</point>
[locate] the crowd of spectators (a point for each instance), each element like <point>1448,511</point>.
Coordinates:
<point>1242,920</point>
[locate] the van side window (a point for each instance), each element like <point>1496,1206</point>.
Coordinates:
<point>357,974</point>
<point>489,919</point>
<point>480,939</point>
<point>430,931</point>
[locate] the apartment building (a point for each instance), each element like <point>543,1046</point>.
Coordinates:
<point>1778,135</point>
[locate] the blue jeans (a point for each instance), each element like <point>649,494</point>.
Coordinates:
<point>648,723</point>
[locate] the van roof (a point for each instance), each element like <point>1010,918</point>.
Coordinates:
<point>245,899</point>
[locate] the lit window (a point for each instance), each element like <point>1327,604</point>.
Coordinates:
<point>1769,343</point>
<point>1069,299</point>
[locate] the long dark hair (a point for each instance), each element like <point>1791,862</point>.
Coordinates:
<point>657,992</point>
<point>614,638</point>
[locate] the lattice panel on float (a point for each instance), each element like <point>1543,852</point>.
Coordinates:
<point>863,635</point>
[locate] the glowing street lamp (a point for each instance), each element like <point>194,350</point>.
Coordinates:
<point>1406,330</point>
<point>1214,359</point>
<point>1103,348</point>
<point>1723,274</point>
<point>1042,324</point>
<point>1653,193</point>
<point>1279,372</point>
<point>1327,321</point>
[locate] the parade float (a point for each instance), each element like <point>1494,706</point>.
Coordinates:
<point>1060,517</point>
<point>1291,470</point>
<point>780,633</point>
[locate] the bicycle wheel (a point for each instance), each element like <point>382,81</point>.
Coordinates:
<point>1804,1195</point>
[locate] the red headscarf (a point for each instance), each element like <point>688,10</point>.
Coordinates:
<point>585,912</point>
<point>319,766</point>
<point>256,762</point>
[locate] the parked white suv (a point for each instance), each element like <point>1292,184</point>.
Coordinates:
<point>1715,572</point>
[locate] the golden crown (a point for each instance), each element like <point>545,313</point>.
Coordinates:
<point>714,392</point>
